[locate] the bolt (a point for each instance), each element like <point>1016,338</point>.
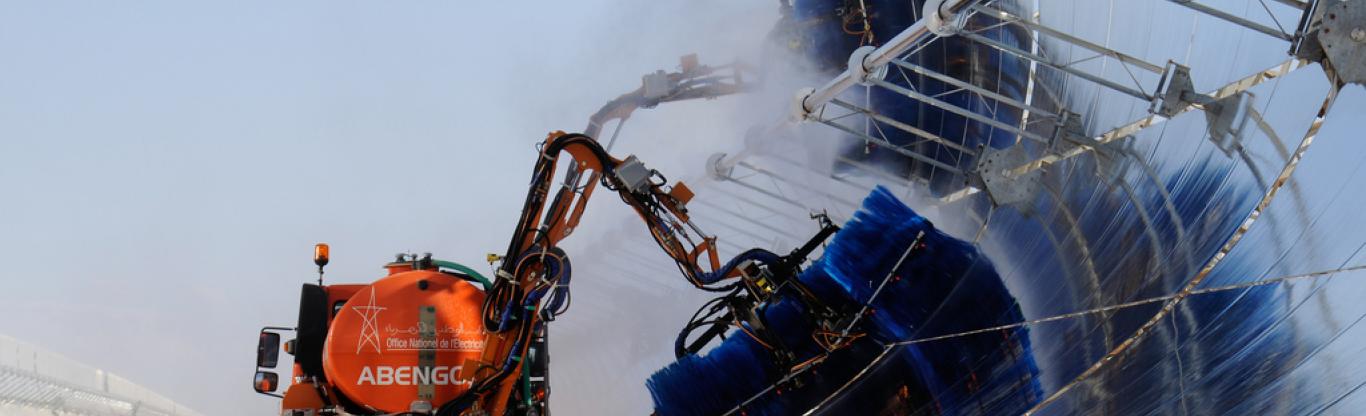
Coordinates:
<point>1359,35</point>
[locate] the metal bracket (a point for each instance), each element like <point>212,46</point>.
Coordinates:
<point>993,171</point>
<point>1068,132</point>
<point>1227,120</point>
<point>1305,45</point>
<point>1342,34</point>
<point>798,112</point>
<point>859,70</point>
<point>1176,90</point>
<point>943,22</point>
<point>716,169</point>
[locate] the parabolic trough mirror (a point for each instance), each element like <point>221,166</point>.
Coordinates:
<point>1167,192</point>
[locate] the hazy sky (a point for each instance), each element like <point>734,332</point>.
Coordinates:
<point>165,167</point>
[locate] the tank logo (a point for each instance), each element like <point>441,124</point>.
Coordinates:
<point>384,375</point>
<point>445,339</point>
<point>369,327</point>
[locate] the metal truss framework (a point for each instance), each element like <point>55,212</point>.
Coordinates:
<point>37,382</point>
<point>32,391</point>
<point>1167,98</point>
<point>1170,96</point>
<point>756,195</point>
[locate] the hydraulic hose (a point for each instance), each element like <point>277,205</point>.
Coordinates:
<point>757,254</point>
<point>483,281</point>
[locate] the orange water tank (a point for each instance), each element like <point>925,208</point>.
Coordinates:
<point>405,338</point>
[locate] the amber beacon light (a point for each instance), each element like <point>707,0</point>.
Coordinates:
<point>320,256</point>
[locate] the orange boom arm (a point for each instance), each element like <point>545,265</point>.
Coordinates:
<point>516,305</point>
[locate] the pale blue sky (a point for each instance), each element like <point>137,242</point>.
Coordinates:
<point>165,167</point>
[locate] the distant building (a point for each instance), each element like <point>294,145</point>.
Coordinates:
<point>35,382</point>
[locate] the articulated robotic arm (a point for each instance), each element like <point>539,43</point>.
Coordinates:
<point>531,286</point>
<point>532,280</point>
<point>507,374</point>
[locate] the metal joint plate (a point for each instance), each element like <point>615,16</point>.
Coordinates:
<point>993,170</point>
<point>1343,36</point>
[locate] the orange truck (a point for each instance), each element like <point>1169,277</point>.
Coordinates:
<point>435,337</point>
<point>385,347</point>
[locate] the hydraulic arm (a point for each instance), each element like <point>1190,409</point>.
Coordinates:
<point>531,282</point>
<point>424,335</point>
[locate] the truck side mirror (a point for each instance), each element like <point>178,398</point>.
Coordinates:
<point>266,382</point>
<point>268,351</point>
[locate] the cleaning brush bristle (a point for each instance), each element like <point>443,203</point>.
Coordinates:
<point>895,278</point>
